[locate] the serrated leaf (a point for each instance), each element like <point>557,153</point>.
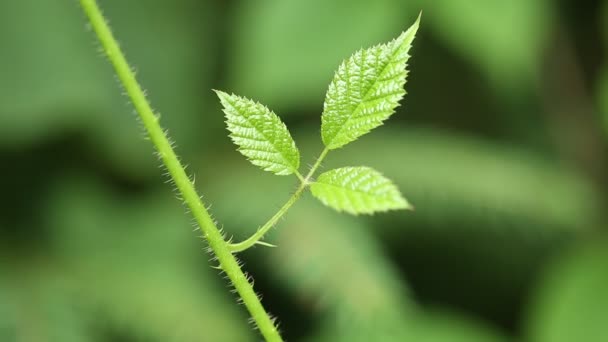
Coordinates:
<point>365,90</point>
<point>260,135</point>
<point>358,190</point>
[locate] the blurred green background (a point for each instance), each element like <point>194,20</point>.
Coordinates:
<point>500,145</point>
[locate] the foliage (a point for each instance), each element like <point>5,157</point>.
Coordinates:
<point>260,135</point>
<point>93,249</point>
<point>357,190</point>
<point>365,91</point>
<point>264,139</point>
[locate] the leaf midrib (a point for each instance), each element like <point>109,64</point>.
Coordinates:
<point>352,190</point>
<point>367,93</point>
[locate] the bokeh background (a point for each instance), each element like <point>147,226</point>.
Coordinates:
<point>500,144</point>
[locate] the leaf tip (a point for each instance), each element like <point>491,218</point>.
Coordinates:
<point>407,205</point>
<point>222,95</point>
<point>402,203</point>
<point>410,33</point>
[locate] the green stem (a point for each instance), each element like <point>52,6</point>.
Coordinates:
<point>300,177</point>
<point>227,261</point>
<point>259,234</point>
<point>316,165</point>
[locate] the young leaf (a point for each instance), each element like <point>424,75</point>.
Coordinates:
<point>365,90</point>
<point>358,190</point>
<point>261,136</point>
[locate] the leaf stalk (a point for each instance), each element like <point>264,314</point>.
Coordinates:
<point>259,234</point>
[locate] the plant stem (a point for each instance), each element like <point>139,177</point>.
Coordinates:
<point>300,177</point>
<point>259,234</point>
<point>227,261</point>
<point>316,165</point>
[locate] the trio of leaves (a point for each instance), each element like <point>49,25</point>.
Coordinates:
<point>364,92</point>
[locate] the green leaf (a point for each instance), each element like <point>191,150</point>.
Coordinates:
<point>358,190</point>
<point>365,90</point>
<point>261,136</point>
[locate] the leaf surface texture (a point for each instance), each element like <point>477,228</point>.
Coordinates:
<point>365,90</point>
<point>260,135</point>
<point>358,190</point>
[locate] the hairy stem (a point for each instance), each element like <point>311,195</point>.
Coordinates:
<point>259,234</point>
<point>300,177</point>
<point>316,165</point>
<point>227,261</point>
